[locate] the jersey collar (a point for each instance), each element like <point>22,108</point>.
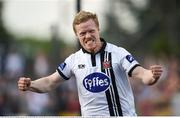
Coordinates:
<point>102,48</point>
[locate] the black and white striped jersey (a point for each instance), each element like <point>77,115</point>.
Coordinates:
<point>102,80</point>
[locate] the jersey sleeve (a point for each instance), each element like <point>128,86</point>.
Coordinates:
<point>65,68</point>
<point>127,61</point>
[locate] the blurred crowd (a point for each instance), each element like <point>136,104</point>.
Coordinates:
<point>162,99</point>
<point>62,101</point>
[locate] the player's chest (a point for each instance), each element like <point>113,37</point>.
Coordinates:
<point>94,71</point>
<point>88,64</point>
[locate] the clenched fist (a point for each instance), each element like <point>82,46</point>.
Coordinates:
<point>157,72</point>
<point>24,83</point>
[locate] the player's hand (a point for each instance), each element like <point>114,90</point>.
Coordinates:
<point>156,72</point>
<point>24,83</point>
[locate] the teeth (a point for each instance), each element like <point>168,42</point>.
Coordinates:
<point>90,40</point>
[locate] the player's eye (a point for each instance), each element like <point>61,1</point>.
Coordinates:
<point>82,33</point>
<point>92,31</point>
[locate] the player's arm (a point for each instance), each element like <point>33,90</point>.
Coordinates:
<point>40,85</point>
<point>147,76</point>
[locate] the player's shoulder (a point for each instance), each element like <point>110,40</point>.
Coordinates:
<point>76,54</point>
<point>114,48</point>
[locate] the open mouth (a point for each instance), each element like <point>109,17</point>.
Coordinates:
<point>89,41</point>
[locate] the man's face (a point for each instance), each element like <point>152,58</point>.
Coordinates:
<point>88,35</point>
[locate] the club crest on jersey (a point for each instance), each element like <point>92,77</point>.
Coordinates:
<point>130,58</point>
<point>96,82</point>
<point>62,65</point>
<point>106,64</point>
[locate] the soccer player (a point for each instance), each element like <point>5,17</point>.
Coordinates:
<point>101,70</point>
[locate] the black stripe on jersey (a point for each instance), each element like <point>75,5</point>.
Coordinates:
<point>110,105</point>
<point>114,101</point>
<point>115,87</point>
<point>130,72</point>
<point>108,96</point>
<point>93,59</point>
<point>62,75</point>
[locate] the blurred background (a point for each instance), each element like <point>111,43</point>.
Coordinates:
<point>37,35</point>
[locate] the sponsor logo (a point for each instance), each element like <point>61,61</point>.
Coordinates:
<point>130,58</point>
<point>96,82</point>
<point>62,65</point>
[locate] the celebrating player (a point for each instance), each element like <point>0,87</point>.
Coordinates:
<point>101,70</point>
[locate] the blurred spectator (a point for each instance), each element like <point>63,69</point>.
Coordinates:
<point>175,103</point>
<point>36,103</point>
<point>15,64</point>
<point>68,102</point>
<point>73,106</point>
<point>175,78</point>
<point>41,65</point>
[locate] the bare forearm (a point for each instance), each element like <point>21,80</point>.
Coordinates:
<point>147,76</point>
<point>41,85</point>
<point>45,84</point>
